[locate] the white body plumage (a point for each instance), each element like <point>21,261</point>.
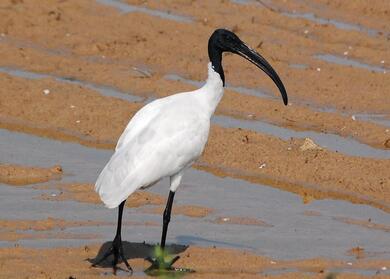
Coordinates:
<point>162,139</point>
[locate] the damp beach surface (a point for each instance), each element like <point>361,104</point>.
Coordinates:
<point>301,191</point>
<point>39,218</point>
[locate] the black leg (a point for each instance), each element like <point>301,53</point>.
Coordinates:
<point>116,250</point>
<point>159,262</point>
<point>167,218</point>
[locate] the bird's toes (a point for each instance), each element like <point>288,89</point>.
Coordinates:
<point>159,263</point>
<point>129,269</point>
<point>174,260</point>
<point>160,267</point>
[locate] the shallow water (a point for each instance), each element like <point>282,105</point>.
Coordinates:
<point>380,119</point>
<point>345,61</point>
<point>262,94</point>
<point>332,142</point>
<point>128,8</point>
<point>360,271</point>
<point>317,19</point>
<point>376,118</point>
<point>28,44</point>
<point>338,24</point>
<point>102,89</point>
<point>329,141</point>
<point>292,233</point>
<point>298,66</point>
<point>243,2</point>
<point>238,89</point>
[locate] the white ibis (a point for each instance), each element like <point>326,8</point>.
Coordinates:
<point>166,136</point>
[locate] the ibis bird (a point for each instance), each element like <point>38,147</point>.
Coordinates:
<point>166,136</point>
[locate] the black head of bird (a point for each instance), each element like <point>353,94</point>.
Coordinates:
<point>223,40</point>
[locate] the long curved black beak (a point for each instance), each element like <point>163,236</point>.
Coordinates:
<point>254,57</point>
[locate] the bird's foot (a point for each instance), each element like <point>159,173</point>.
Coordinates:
<point>159,263</point>
<point>117,251</point>
<point>162,264</point>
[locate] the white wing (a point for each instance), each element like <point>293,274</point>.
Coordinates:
<point>164,137</point>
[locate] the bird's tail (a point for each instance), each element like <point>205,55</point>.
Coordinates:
<point>115,183</point>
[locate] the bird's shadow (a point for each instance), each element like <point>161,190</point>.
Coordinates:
<point>133,250</point>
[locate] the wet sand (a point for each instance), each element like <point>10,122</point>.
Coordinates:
<point>86,193</point>
<point>20,175</point>
<point>218,263</point>
<point>77,71</point>
<point>101,127</point>
<point>186,210</point>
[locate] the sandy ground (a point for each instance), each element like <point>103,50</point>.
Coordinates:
<point>208,263</point>
<point>86,193</point>
<point>92,125</point>
<point>20,175</point>
<point>81,47</point>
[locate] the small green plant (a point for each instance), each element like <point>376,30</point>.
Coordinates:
<point>162,265</point>
<point>163,258</point>
<point>331,276</point>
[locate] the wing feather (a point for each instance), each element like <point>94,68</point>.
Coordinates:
<point>159,141</point>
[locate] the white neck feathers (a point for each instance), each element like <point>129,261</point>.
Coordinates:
<point>212,91</point>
